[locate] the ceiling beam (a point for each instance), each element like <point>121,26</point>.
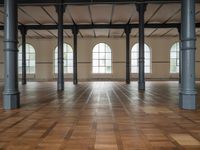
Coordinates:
<point>101,26</point>
<point>53,2</point>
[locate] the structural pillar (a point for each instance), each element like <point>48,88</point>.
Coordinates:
<point>23,33</point>
<point>11,95</point>
<point>75,72</point>
<point>188,38</point>
<point>60,79</point>
<point>180,58</point>
<point>141,8</point>
<point>127,31</point>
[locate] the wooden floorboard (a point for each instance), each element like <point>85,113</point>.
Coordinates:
<point>100,116</point>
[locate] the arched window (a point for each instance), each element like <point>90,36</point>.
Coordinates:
<point>135,56</point>
<point>174,58</point>
<point>68,59</point>
<point>102,59</point>
<point>30,59</point>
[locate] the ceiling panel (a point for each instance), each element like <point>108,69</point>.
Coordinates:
<point>165,13</point>
<point>102,32</point>
<point>159,32</point>
<point>80,14</point>
<point>134,17</point>
<point>44,33</point>
<point>172,32</point>
<point>54,32</point>
<point>101,14</point>
<point>69,33</point>
<point>87,33</point>
<point>1,16</point>
<point>1,34</point>
<point>116,32</point>
<point>32,33</point>
<point>150,11</point>
<point>122,13</point>
<point>37,14</point>
<point>148,31</point>
<point>52,12</point>
<point>134,32</point>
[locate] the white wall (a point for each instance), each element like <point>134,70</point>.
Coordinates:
<point>160,57</point>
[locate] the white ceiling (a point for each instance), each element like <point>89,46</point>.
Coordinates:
<point>100,14</point>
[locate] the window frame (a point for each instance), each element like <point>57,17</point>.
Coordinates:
<point>177,59</point>
<point>107,47</point>
<point>28,72</point>
<point>55,59</point>
<point>137,60</point>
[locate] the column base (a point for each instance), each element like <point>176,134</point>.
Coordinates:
<point>187,101</point>
<point>75,82</point>
<point>11,101</point>
<point>61,88</point>
<point>141,86</point>
<point>127,82</point>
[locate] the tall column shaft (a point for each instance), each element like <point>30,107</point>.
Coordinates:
<point>11,95</point>
<point>60,80</point>
<point>188,48</point>
<point>75,70</point>
<point>180,58</point>
<point>141,8</point>
<point>127,31</point>
<point>23,33</point>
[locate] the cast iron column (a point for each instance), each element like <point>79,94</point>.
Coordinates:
<point>179,31</point>
<point>23,33</point>
<point>60,81</point>
<point>11,95</point>
<point>127,31</point>
<point>188,38</point>
<point>141,8</point>
<point>75,74</point>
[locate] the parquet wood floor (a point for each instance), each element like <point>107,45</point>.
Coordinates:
<point>100,116</point>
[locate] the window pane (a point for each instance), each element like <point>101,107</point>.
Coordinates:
<point>108,63</point>
<point>102,56</point>
<point>69,69</point>
<point>70,63</point>
<point>70,56</point>
<point>95,55</point>
<point>95,63</point>
<point>134,69</point>
<point>95,70</point>
<point>134,58</point>
<point>68,59</point>
<point>102,62</point>
<point>102,70</point>
<point>102,59</point>
<point>108,56</point>
<point>174,58</point>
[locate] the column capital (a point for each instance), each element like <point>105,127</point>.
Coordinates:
<point>127,29</point>
<point>141,6</point>
<point>60,7</point>
<point>23,30</point>
<point>179,29</point>
<point>75,30</point>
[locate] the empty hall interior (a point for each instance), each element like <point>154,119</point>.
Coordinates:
<point>100,75</point>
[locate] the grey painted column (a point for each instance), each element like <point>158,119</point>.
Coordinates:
<point>60,80</point>
<point>188,38</point>
<point>127,31</point>
<point>23,33</point>
<point>11,95</point>
<point>180,58</point>
<point>75,73</point>
<point>141,8</point>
